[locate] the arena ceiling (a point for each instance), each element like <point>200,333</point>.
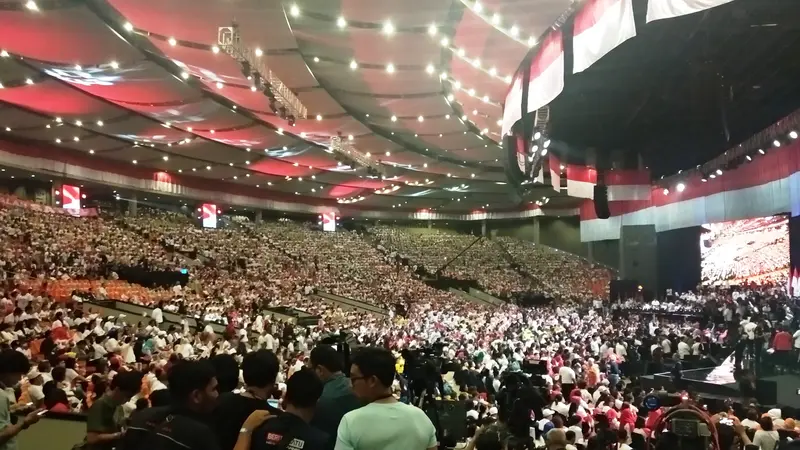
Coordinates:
<point>417,84</point>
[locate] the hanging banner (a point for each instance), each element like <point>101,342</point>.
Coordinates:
<point>555,171</point>
<point>581,181</point>
<point>329,221</point>
<point>547,72</point>
<point>600,26</point>
<point>512,108</point>
<point>70,197</point>
<point>667,9</point>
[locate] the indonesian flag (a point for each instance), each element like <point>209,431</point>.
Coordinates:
<point>547,72</point>
<point>628,185</point>
<point>512,109</point>
<point>555,172</point>
<point>581,181</point>
<point>667,9</point>
<point>601,26</point>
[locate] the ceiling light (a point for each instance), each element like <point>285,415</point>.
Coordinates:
<point>100,123</point>
<point>544,151</point>
<point>368,154</point>
<point>114,65</point>
<point>425,165</point>
<point>429,68</point>
<point>495,19</point>
<point>353,65</point>
<point>165,158</point>
<point>76,139</point>
<point>761,150</point>
<point>390,68</point>
<point>280,131</point>
<point>704,180</point>
<point>394,119</point>
<point>259,52</point>
<point>219,85</point>
<point>448,175</point>
<point>719,171</point>
<point>316,59</point>
<point>450,97</point>
<point>91,152</point>
<point>680,187</point>
<point>128,26</point>
<point>514,31</point>
<point>340,22</point>
<point>388,28</point>
<point>749,158</point>
<point>31,5</point>
<point>666,191</point>
<point>135,161</point>
<point>214,49</point>
<point>388,153</point>
<point>172,41</point>
<point>28,81</point>
<point>294,11</point>
<point>1,85</point>
<point>8,128</point>
<point>793,134</point>
<point>776,143</point>
<point>476,62</point>
<point>185,75</point>
<point>420,119</point>
<point>445,42</point>
<point>302,134</point>
<point>208,167</point>
<point>432,29</point>
<point>319,117</point>
<point>349,137</point>
<point>477,7</point>
<point>712,176</point>
<point>79,123</point>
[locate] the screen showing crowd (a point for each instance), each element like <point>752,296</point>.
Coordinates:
<point>749,250</point>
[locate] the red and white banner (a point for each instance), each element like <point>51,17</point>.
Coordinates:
<point>512,108</point>
<point>767,186</point>
<point>70,197</point>
<point>9,200</point>
<point>329,221</point>
<point>547,72</point>
<point>555,171</point>
<point>209,215</point>
<point>667,9</point>
<point>628,185</point>
<point>601,26</point>
<point>581,181</point>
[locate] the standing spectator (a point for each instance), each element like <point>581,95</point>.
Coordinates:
<point>384,423</point>
<point>337,395</point>
<point>13,365</point>
<point>105,418</point>
<point>193,389</point>
<point>259,370</point>
<point>291,428</point>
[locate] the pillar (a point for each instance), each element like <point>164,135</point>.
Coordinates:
<point>590,251</point>
<point>430,224</point>
<point>536,235</point>
<point>258,216</point>
<point>483,227</point>
<point>132,203</point>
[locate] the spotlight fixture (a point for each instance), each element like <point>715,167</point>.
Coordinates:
<point>340,22</point>
<point>776,143</point>
<point>666,191</point>
<point>388,28</point>
<point>761,150</point>
<point>680,187</point>
<point>719,171</point>
<point>793,134</point>
<point>353,65</point>
<point>294,11</point>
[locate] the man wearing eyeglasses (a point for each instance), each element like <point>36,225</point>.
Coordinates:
<point>384,423</point>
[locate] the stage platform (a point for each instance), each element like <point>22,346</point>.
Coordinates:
<point>718,383</point>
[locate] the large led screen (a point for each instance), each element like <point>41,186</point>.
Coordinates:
<point>745,251</point>
<point>209,215</point>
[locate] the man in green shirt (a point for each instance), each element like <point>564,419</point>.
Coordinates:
<point>13,365</point>
<point>104,420</point>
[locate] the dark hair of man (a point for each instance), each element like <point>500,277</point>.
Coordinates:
<point>260,368</point>
<point>377,362</point>
<point>128,382</point>
<point>186,377</point>
<point>227,372</point>
<point>12,361</point>
<point>59,374</point>
<point>327,357</point>
<point>303,389</point>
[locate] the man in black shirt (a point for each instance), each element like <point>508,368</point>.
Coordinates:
<point>291,429</point>
<point>260,369</point>
<point>181,426</point>
<point>337,396</point>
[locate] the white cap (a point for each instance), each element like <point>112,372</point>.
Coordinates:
<point>472,414</point>
<point>547,412</point>
<point>33,374</point>
<point>493,411</point>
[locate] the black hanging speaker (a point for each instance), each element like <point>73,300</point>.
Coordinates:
<point>601,201</point>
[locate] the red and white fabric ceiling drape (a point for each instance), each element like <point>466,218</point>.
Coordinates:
<point>667,9</point>
<point>600,26</point>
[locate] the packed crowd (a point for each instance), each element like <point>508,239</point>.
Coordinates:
<point>120,370</point>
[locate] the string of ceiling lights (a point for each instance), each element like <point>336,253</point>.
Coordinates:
<point>494,20</point>
<point>730,160</point>
<point>388,29</point>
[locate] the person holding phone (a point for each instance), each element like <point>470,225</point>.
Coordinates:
<point>13,365</point>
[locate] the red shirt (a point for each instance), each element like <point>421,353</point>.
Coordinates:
<point>782,341</point>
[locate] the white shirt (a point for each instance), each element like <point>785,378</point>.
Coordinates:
<point>766,440</point>
<point>683,349</point>
<point>157,315</point>
<point>796,337</point>
<point>666,345</point>
<point>566,375</point>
